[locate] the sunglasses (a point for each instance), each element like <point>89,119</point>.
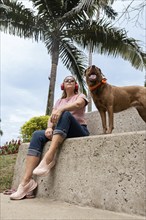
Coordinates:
<point>69,80</point>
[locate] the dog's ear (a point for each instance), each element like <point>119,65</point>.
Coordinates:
<point>101,73</point>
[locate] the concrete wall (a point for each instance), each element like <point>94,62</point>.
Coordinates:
<point>103,171</point>
<point>124,121</point>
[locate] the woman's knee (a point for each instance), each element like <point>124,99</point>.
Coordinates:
<point>39,135</point>
<point>66,114</point>
<point>36,133</point>
<point>37,143</point>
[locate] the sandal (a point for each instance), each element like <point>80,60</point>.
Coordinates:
<point>23,191</point>
<point>43,168</point>
<point>9,191</point>
<point>29,195</point>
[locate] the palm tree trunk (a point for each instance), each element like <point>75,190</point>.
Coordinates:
<point>50,100</point>
<point>89,95</point>
<point>55,58</point>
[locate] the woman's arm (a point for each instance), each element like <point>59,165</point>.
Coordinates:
<point>49,130</point>
<point>78,104</point>
<point>50,124</point>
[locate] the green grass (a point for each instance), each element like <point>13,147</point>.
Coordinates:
<point>7,163</point>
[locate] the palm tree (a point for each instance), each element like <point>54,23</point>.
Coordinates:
<point>62,32</point>
<point>44,24</point>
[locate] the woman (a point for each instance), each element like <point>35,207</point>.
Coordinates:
<point>66,121</point>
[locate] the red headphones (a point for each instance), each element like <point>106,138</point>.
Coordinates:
<point>76,86</point>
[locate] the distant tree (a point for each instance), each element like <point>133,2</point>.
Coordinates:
<point>133,11</point>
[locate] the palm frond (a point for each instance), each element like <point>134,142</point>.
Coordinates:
<point>87,6</point>
<point>89,3</point>
<point>110,12</point>
<point>46,8</point>
<point>110,41</point>
<point>51,40</point>
<point>74,60</point>
<point>55,9</point>
<point>21,21</point>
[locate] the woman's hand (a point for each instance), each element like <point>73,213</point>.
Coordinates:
<point>55,115</point>
<point>49,133</point>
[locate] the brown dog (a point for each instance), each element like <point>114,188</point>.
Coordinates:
<point>112,98</point>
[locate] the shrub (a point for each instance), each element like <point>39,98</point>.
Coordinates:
<point>11,147</point>
<point>35,123</point>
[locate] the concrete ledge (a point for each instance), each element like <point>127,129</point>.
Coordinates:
<point>103,171</point>
<point>125,121</point>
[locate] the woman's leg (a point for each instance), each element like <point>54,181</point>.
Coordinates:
<point>27,184</point>
<point>33,157</point>
<point>67,126</point>
<point>34,153</point>
<point>55,143</point>
<point>48,160</point>
<point>31,163</point>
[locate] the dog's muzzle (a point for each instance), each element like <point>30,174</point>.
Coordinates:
<point>92,77</point>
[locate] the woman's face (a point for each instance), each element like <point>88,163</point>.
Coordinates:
<point>69,82</point>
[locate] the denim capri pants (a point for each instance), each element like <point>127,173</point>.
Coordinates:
<point>67,127</point>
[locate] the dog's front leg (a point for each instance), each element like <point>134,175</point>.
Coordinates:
<point>103,119</point>
<point>110,119</point>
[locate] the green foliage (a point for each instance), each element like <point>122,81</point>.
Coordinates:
<point>35,123</point>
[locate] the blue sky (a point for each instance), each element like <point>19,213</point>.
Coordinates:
<point>25,67</point>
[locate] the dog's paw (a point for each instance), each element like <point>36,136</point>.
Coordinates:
<point>109,132</point>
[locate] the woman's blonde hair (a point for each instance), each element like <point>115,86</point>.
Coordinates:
<point>64,95</point>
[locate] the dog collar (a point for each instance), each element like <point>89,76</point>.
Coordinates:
<point>92,88</point>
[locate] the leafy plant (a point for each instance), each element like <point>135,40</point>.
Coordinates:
<point>11,147</point>
<point>35,123</point>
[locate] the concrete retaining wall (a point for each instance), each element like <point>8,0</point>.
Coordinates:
<point>124,121</point>
<point>103,171</point>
